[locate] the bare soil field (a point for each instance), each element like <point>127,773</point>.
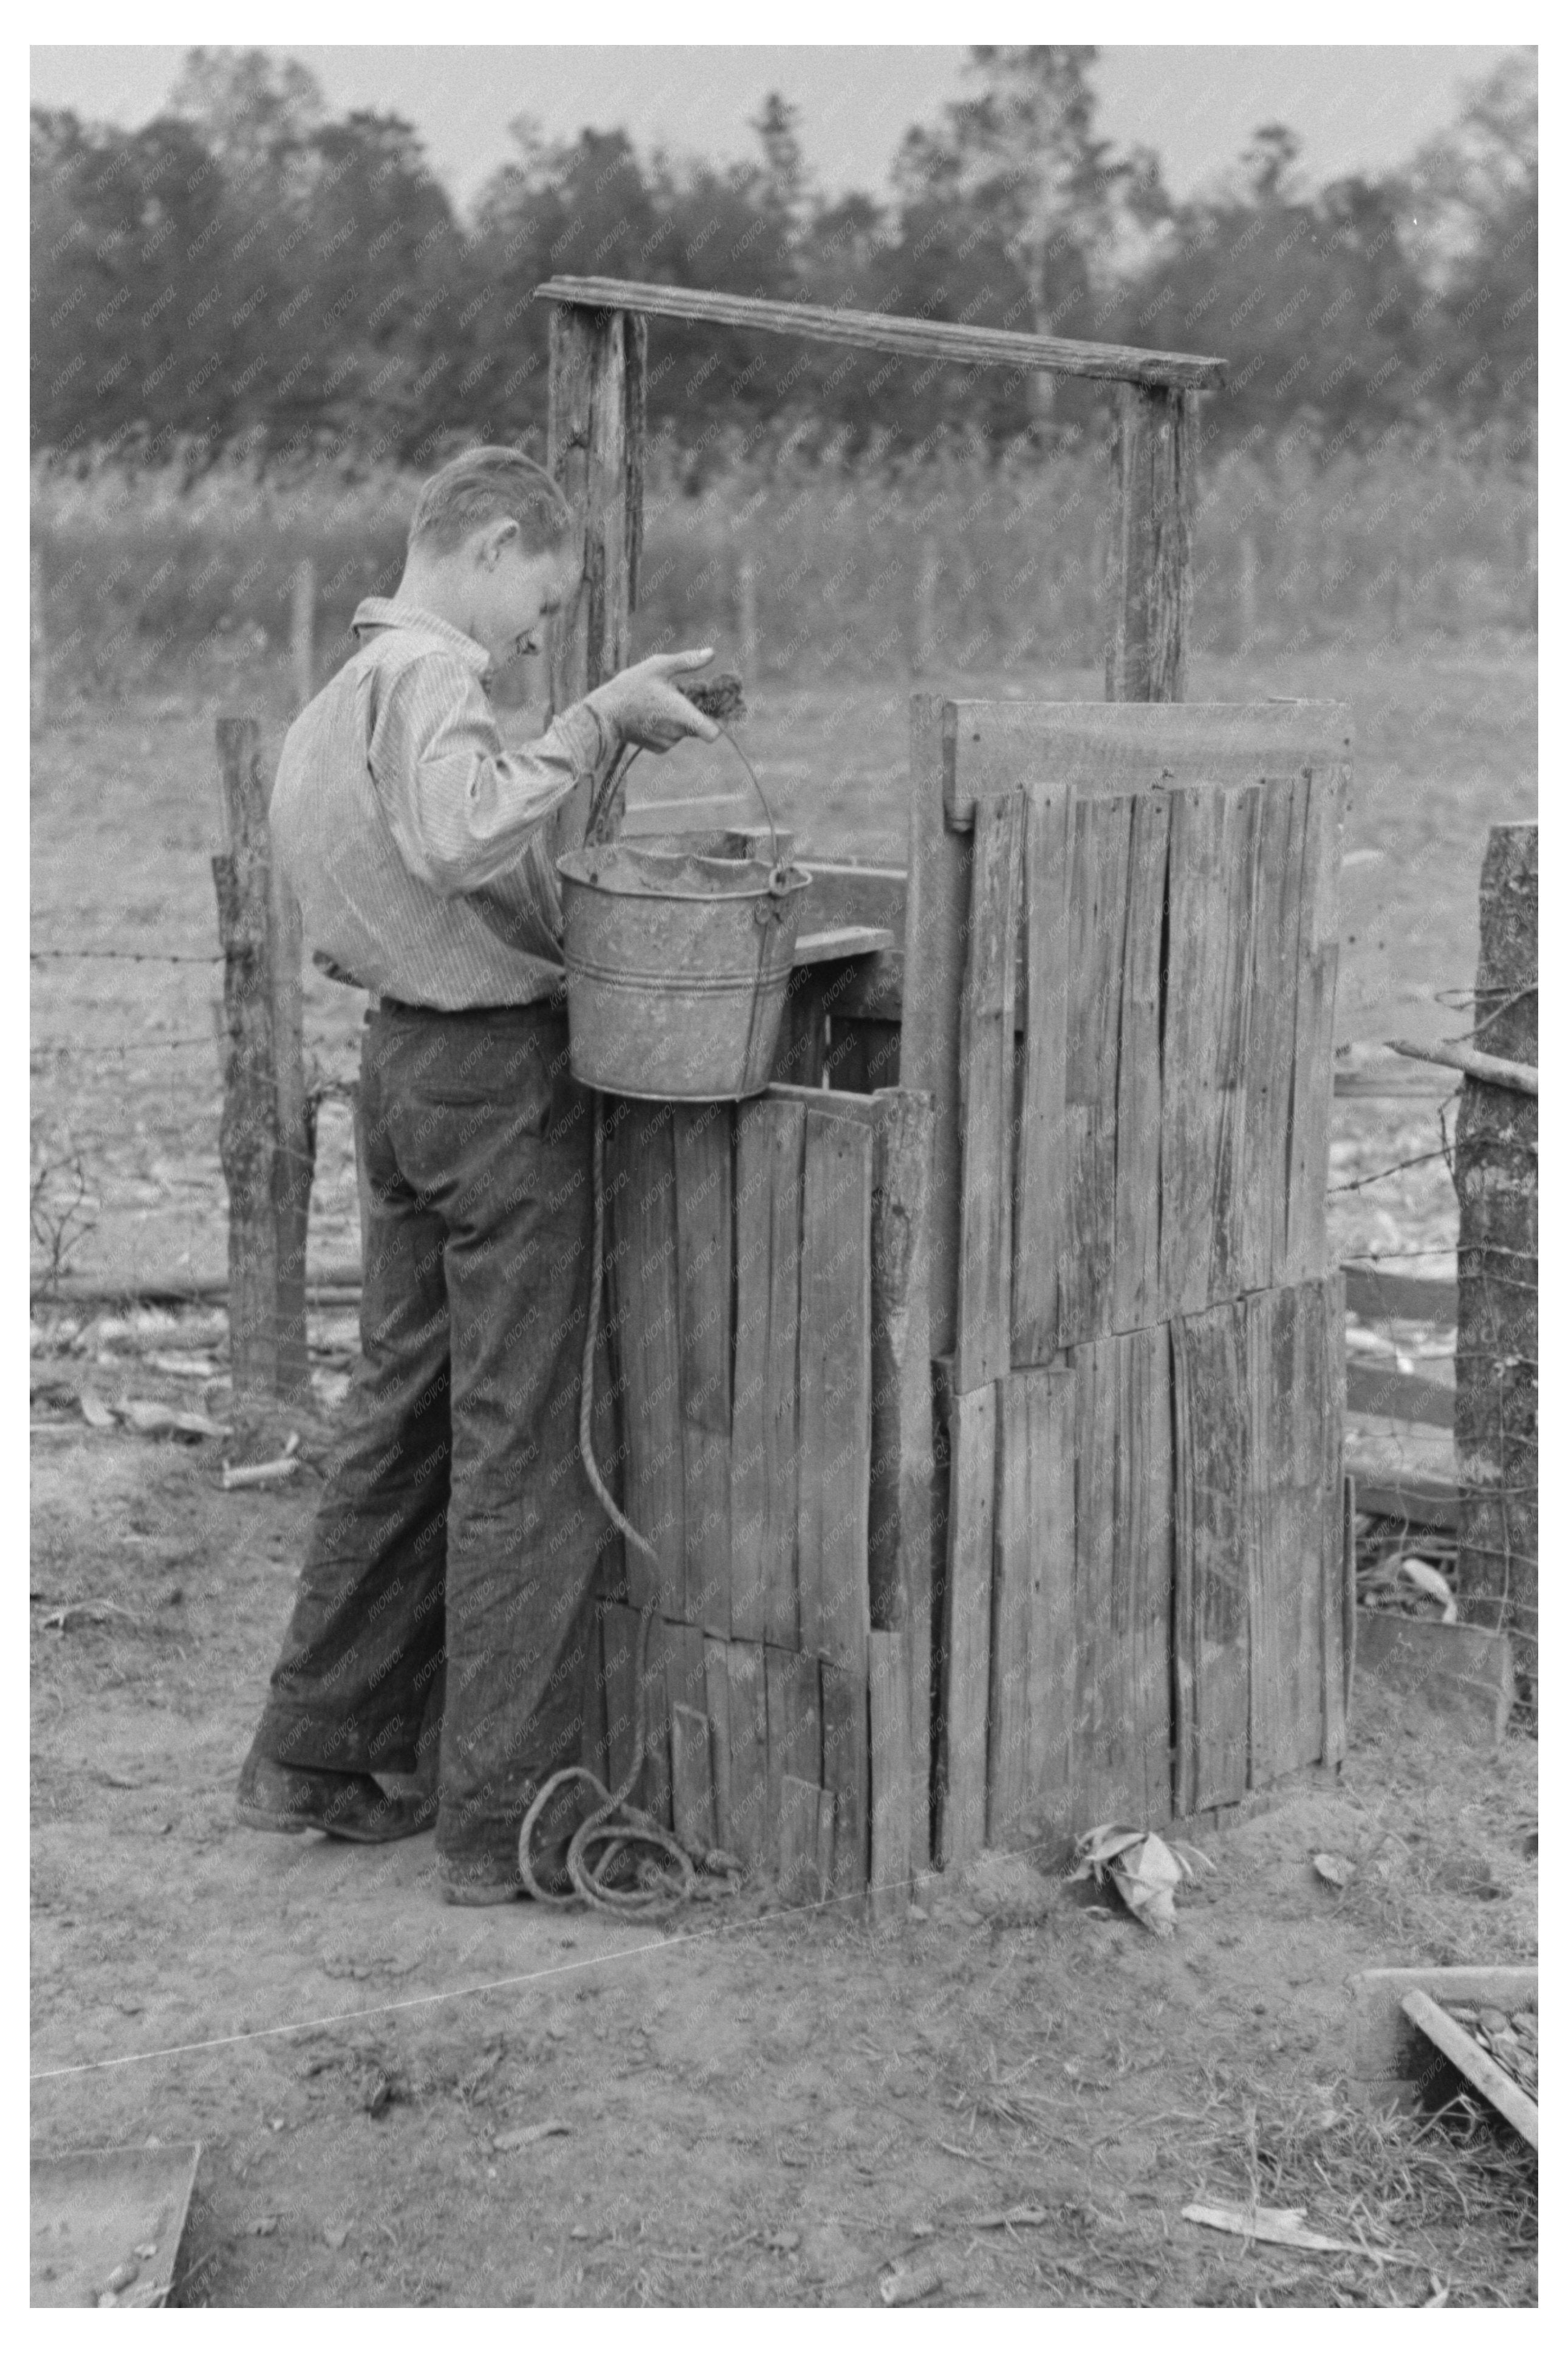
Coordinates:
<point>1009,2099</point>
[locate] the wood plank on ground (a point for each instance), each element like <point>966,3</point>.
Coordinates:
<point>770,1164</point>
<point>1097,930</point>
<point>966,1661</point>
<point>704,1201</point>
<point>1130,747</point>
<point>1135,1275</point>
<point>983,1345</point>
<point>1038,1225</point>
<point>645,1316</point>
<point>1214,1547</point>
<point>893,1784</point>
<point>845,1773</point>
<point>834,1431</point>
<point>934,931</point>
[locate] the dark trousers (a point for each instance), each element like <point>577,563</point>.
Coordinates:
<point>458,1527</point>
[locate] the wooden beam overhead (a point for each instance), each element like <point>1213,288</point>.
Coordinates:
<point>874,330</point>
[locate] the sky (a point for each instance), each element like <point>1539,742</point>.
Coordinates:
<point>1361,108</point>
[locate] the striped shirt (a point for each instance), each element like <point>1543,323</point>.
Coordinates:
<point>415,843</point>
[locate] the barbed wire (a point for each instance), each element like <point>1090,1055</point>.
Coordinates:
<point>118,956</point>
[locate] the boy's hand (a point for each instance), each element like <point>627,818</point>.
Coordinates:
<point>644,705</point>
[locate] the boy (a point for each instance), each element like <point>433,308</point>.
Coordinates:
<point>458,1527</point>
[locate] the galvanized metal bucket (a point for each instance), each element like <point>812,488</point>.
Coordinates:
<point>677,967</point>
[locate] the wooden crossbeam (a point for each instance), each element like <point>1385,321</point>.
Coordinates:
<point>875,331</point>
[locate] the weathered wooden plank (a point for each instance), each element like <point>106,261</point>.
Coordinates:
<point>898,1549</point>
<point>1266,1154</point>
<point>1033,1694</point>
<point>685,1667</point>
<point>934,933</point>
<point>1150,585</point>
<point>1130,747</point>
<point>1037,1215</point>
<point>704,1202</point>
<point>1135,1270</point>
<point>1190,1114</point>
<point>965,1661</point>
<point>793,1728</point>
<point>770,1165</point>
<point>800,1057</point>
<point>691,1780</point>
<point>1097,932</point>
<point>841,941</point>
<point>716,1690</point>
<point>597,464</point>
<point>656,1707</point>
<point>893,1780</point>
<point>1386,2049</point>
<point>1098,1699</point>
<point>983,1344</point>
<point>835,1408</point>
<point>842,894</point>
<point>827,1840</point>
<point>618,1635</point>
<point>1214,1552</point>
<point>1337,1594</point>
<point>799,1832</point>
<point>746,1832</point>
<point>879,331</point>
<point>1478,2065</point>
<point>1144,1564</point>
<point>1231,1014</point>
<point>1311,1086</point>
<point>639,1176</point>
<point>595,1751</point>
<point>845,1773</point>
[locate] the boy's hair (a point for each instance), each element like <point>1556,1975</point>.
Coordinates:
<point>482,486</point>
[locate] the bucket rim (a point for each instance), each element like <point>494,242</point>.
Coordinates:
<point>798,878</point>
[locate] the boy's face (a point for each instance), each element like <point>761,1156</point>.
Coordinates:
<point>512,594</point>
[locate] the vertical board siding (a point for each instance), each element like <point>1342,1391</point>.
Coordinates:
<point>983,1349</point>
<point>639,1167</point>
<point>936,927</point>
<point>770,1167</point>
<point>1033,1635</point>
<point>1214,1555</point>
<point>835,1390</point>
<point>966,1631</point>
<point>895,1790</point>
<point>1311,1094</point>
<point>1096,933</point>
<point>1264,1184</point>
<point>704,1208</point>
<point>1232,1013</point>
<point>1038,1216</point>
<point>1135,1275</point>
<point>845,1773</point>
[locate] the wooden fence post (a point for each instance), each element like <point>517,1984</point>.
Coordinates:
<point>1150,554</point>
<point>1496,1348</point>
<point>597,435</point>
<point>266,1141</point>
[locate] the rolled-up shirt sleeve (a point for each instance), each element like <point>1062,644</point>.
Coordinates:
<point>463,809</point>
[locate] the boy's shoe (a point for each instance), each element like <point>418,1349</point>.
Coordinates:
<point>483,1879</point>
<point>274,1796</point>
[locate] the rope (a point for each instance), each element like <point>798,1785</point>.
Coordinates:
<point>614,1827</point>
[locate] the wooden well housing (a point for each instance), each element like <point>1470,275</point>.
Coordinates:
<point>981,1385</point>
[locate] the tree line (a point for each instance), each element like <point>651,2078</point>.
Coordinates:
<point>248,269</point>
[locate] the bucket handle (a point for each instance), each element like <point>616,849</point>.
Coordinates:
<point>778,876</point>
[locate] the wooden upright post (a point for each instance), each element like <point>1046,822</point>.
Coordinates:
<point>1150,565</point>
<point>597,405</point>
<point>267,1140</point>
<point>1498,1343</point>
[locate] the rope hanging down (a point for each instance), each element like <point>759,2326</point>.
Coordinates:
<point>601,1846</point>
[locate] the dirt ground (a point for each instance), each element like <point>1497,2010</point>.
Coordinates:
<point>758,2106</point>
<point>761,2106</point>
